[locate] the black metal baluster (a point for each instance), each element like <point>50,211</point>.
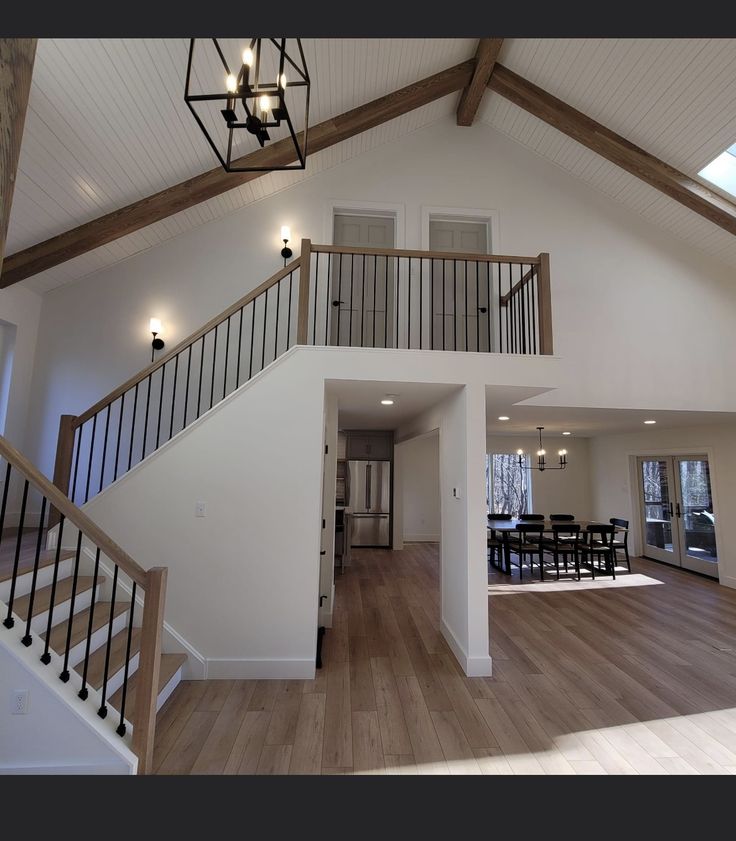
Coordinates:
<point>65,671</point>
<point>83,692</point>
<point>489,298</point>
<point>120,433</point>
<point>201,371</point>
<point>444,296</point>
<point>102,712</point>
<point>328,296</point>
<point>454,304</point>
<point>276,328</point>
<point>240,347</point>
<point>91,454</point>
<point>186,388</point>
<point>385,307</point>
<point>265,321</point>
<point>408,308</point>
<point>160,405</point>
<point>350,323</point>
<point>535,304</point>
<point>375,308</point>
<point>104,445</point>
<point>9,621</point>
<point>132,426</point>
<point>421,300</point>
<point>508,315</point>
<point>46,657</point>
<point>214,364</point>
<point>288,312</point>
<point>398,286</point>
<point>227,353</point>
<point>252,336</point>
<point>431,304</point>
<point>27,639</point>
<point>465,280</point>
<point>477,304</point>
<point>80,431</point>
<point>145,420</point>
<point>4,505</point>
<point>339,297</point>
<point>173,396</point>
<point>121,727</point>
<point>316,298</point>
<point>362,303</point>
<point>522,309</point>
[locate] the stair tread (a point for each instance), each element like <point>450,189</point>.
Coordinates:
<point>42,600</point>
<point>118,647</point>
<point>170,663</point>
<point>80,625</point>
<point>25,563</point>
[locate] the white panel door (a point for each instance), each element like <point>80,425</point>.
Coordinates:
<point>460,289</point>
<point>361,286</point>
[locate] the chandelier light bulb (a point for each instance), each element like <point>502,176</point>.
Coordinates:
<point>562,453</point>
<point>520,452</point>
<point>231,83</point>
<point>541,452</point>
<point>282,81</point>
<point>247,57</point>
<point>265,103</point>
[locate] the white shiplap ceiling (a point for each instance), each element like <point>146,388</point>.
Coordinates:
<point>107,125</point>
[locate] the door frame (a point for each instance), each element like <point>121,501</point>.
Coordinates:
<point>637,538</point>
<point>462,214</point>
<point>364,208</point>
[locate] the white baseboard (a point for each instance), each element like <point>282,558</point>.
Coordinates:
<point>472,666</point>
<point>97,770</point>
<point>421,538</point>
<point>221,669</point>
<point>728,581</point>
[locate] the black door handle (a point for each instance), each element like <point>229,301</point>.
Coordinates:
<point>677,509</point>
<point>337,303</point>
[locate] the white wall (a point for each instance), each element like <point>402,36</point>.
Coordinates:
<point>52,737</point>
<point>615,492</point>
<point>554,491</point>
<point>420,487</point>
<point>611,270</point>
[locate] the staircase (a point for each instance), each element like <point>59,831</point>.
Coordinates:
<point>80,608</point>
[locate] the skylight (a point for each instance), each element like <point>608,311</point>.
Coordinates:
<point>722,171</point>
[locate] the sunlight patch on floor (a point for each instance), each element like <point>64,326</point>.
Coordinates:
<point>632,580</point>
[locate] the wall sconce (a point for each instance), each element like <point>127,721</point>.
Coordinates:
<point>155,328</point>
<point>286,252</point>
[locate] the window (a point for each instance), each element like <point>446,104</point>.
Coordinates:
<point>722,171</point>
<point>508,488</point>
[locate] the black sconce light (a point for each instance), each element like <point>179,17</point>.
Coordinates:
<point>286,252</point>
<point>156,344</point>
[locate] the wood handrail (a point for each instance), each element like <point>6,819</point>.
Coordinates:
<point>504,299</point>
<point>427,255</point>
<point>210,325</point>
<point>76,516</point>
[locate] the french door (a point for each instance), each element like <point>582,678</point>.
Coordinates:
<point>676,508</point>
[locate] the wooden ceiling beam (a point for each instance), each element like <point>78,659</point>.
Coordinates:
<point>614,148</point>
<point>16,67</point>
<point>485,60</point>
<point>133,217</point>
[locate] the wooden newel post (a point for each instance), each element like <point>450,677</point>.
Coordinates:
<point>63,463</point>
<point>545,307</point>
<point>304,269</point>
<point>149,666</point>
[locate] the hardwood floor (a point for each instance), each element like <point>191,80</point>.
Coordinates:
<point>616,680</point>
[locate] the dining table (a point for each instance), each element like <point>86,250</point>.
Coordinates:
<point>506,527</point>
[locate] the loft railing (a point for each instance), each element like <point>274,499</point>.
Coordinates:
<point>44,590</point>
<point>347,297</point>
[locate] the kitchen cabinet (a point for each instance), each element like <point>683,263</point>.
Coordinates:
<point>371,446</point>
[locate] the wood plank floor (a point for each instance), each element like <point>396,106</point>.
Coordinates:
<point>618,680</point>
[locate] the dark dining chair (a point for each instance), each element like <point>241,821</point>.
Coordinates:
<point>531,517</point>
<point>527,543</point>
<point>565,541</point>
<point>598,547</point>
<point>621,526</point>
<point>495,542</point>
<point>562,518</point>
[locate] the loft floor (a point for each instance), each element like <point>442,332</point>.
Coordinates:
<point>616,680</point>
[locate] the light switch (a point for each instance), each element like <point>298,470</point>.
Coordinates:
<point>200,509</point>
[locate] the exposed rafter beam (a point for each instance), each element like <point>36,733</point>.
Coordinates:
<point>181,196</point>
<point>16,68</point>
<point>614,148</point>
<point>485,60</point>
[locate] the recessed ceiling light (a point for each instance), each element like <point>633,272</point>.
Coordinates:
<point>650,421</point>
<point>567,433</point>
<point>387,401</point>
<point>503,417</point>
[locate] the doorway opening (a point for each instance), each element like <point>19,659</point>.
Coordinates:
<point>676,512</point>
<point>7,354</point>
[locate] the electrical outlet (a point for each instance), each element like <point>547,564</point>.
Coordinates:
<point>19,702</point>
<point>200,509</point>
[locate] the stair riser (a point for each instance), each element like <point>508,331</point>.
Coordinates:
<point>115,681</point>
<point>99,638</point>
<point>45,577</point>
<point>61,611</point>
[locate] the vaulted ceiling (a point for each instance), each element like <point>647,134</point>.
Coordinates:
<point>107,125</point>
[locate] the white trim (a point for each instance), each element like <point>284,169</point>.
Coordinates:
<point>365,208</point>
<point>98,769</point>
<point>222,668</point>
<point>462,214</point>
<point>472,666</point>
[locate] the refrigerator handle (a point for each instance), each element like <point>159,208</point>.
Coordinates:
<point>368,500</point>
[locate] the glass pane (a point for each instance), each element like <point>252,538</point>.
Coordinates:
<point>655,484</point>
<point>697,510</point>
<point>508,489</point>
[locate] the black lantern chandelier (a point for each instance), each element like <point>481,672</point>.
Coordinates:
<point>257,92</point>
<point>541,457</point>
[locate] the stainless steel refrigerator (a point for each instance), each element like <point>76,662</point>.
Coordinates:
<point>369,497</point>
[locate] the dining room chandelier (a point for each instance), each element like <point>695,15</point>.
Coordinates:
<point>261,96</point>
<point>542,458</point>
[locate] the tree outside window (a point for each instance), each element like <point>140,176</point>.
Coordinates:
<point>508,486</point>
